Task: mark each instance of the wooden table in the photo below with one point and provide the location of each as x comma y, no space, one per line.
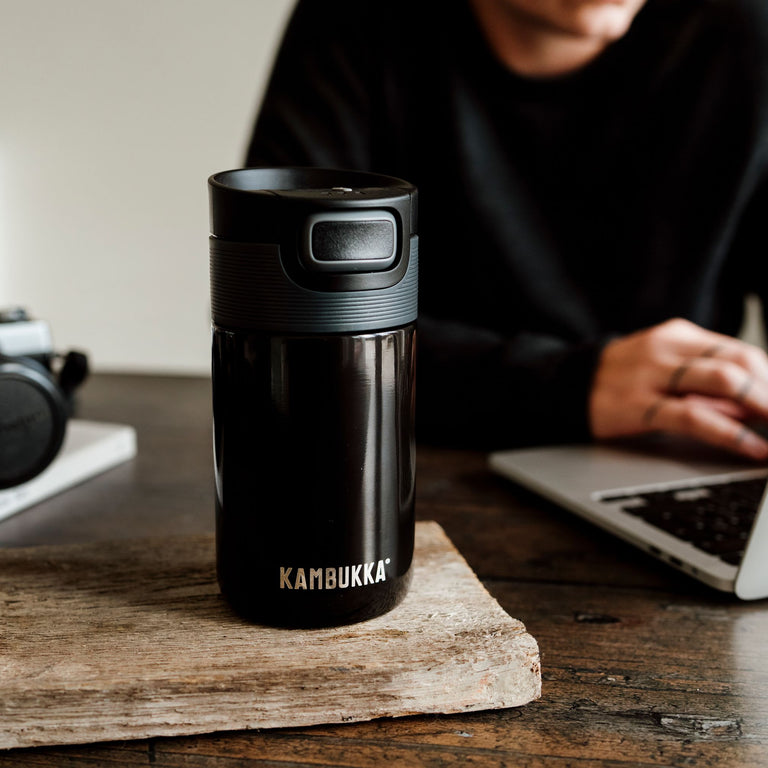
641,666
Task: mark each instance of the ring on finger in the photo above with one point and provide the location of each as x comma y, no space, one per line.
652,410
711,351
744,391
677,375
742,433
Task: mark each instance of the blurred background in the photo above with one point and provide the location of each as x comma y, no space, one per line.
113,115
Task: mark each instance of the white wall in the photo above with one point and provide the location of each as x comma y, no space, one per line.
113,113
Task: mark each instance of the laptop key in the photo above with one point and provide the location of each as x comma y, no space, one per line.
715,518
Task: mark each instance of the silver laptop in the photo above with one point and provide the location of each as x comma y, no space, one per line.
696,508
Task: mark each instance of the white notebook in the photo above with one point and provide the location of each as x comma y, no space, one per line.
89,448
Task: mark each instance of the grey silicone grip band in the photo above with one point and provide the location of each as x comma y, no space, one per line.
250,290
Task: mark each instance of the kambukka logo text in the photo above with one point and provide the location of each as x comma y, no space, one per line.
342,577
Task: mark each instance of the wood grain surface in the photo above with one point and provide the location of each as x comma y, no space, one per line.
132,639
642,667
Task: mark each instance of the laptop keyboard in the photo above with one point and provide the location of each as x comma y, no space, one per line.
716,518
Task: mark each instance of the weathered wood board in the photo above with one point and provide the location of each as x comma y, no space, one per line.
128,640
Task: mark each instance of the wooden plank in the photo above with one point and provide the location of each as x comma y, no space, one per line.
131,639
627,683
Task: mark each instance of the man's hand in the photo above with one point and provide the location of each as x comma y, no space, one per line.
678,377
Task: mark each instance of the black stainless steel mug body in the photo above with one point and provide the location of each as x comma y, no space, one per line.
313,300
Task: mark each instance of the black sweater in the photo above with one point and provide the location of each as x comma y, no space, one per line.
554,214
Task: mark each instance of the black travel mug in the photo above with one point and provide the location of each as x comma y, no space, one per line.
314,300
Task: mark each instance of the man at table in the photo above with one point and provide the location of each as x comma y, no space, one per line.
593,180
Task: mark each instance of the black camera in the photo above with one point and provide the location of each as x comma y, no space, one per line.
36,396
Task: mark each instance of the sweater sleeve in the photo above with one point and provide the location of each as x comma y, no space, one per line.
481,389
475,386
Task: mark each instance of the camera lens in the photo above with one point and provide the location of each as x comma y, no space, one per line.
32,420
